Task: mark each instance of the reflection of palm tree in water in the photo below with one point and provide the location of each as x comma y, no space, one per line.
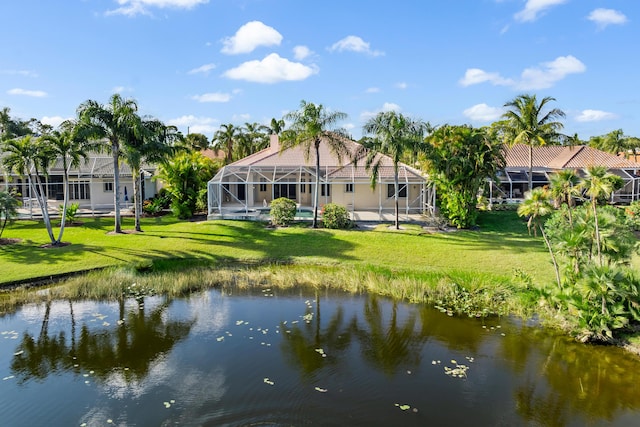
302,342
388,347
134,345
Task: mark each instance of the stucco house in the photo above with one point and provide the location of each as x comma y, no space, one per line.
244,189
91,184
513,180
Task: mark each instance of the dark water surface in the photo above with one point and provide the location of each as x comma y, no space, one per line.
270,357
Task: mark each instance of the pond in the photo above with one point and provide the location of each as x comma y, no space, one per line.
295,357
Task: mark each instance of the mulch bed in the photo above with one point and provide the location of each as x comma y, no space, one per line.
4,242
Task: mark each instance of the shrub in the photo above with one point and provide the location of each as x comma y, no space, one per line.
632,215
155,205
181,209
335,216
72,211
283,211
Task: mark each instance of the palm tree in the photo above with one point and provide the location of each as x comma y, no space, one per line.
310,125
224,139
113,123
30,158
152,142
66,145
276,127
563,186
196,141
395,136
598,183
527,123
253,138
535,206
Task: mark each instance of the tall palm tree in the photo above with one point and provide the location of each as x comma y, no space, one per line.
597,184
535,206
310,125
225,139
152,142
66,145
526,122
30,157
395,136
276,127
113,123
8,209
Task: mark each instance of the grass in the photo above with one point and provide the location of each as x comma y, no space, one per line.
499,248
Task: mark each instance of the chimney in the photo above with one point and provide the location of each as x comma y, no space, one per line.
274,143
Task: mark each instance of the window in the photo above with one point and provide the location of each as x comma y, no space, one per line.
79,191
348,188
108,187
325,190
263,185
303,186
402,191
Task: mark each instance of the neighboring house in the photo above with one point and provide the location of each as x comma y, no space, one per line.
245,188
90,184
513,181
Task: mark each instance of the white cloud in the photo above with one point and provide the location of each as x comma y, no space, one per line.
483,113
250,36
541,77
121,89
595,116
603,17
534,8
203,69
550,72
33,93
245,117
354,44
204,125
25,73
141,7
401,85
372,90
475,76
212,97
387,106
272,69
301,52
54,121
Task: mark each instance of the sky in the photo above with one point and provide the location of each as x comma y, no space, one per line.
198,64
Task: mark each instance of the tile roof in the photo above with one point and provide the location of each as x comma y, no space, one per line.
558,157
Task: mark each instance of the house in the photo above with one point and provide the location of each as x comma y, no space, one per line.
244,189
514,179
90,184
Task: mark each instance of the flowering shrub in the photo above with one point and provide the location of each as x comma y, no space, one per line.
283,211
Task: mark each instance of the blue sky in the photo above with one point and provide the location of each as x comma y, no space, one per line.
198,64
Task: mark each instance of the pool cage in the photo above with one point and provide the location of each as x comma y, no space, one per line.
246,191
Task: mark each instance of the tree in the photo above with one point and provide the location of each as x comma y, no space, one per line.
8,208
395,136
66,145
186,176
563,186
598,183
459,159
252,138
276,127
196,141
526,122
153,142
30,157
310,125
615,142
113,123
535,206
224,139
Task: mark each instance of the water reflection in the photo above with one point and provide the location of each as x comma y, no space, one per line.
335,360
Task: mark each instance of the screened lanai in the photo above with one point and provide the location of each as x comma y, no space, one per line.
513,181
244,189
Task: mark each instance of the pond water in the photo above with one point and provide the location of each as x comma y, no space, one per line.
271,357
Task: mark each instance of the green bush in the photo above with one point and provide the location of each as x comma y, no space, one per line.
283,211
181,209
335,216
632,215
72,211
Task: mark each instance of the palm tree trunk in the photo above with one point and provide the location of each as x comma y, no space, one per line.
41,196
395,196
116,186
315,205
530,167
553,257
595,219
136,195
65,203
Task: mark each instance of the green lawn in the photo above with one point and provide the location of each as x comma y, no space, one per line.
499,247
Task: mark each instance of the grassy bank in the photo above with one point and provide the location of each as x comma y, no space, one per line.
499,248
